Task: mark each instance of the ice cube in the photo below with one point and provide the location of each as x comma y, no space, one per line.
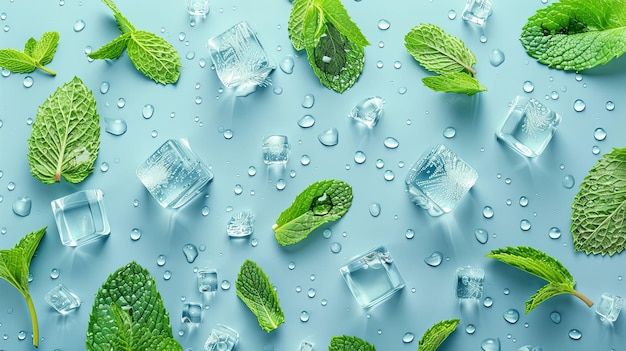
368,111
80,217
207,280
477,11
62,299
192,313
609,306
222,338
275,149
469,282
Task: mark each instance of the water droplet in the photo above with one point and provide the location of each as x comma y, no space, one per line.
167,275
305,160
554,233
54,273
483,38
22,206
389,175
579,105
449,132
238,189
451,14
511,316
11,186
335,247
488,302
251,171
135,234
408,338
104,167
568,181
161,260
154,133
555,317
488,212
374,209
359,157
308,101
383,24
281,184
524,225
481,235
225,285
397,64
79,25
490,344
21,335
287,64
311,293
190,55
3,16
147,111
306,121
228,134
304,316
104,87
575,334
329,138
380,163
115,126
391,143
554,95
409,234
496,58
610,105
291,265
528,86
599,134
121,102
470,329
28,81
595,149
523,201
434,259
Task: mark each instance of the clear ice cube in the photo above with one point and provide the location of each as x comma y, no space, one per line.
305,346
368,111
477,11
222,338
174,174
275,149
192,313
241,225
609,306
198,7
62,299
438,180
528,126
469,282
372,277
240,60
80,217
207,280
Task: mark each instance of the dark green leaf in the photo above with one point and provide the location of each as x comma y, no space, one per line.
256,291
436,335
349,343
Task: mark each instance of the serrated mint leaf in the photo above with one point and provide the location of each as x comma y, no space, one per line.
320,203
438,51
538,263
349,343
65,137
436,335
112,50
43,51
459,82
16,61
36,54
29,46
256,291
14,268
336,13
128,314
295,26
599,207
576,34
154,57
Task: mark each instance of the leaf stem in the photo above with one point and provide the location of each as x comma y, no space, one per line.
33,318
49,71
582,297
471,70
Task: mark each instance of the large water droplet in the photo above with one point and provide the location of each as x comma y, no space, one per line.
496,57
115,126
359,157
599,134
568,181
610,106
335,247
287,64
22,206
147,111
329,138
554,233
449,132
511,316
28,81
488,212
79,25
375,209
391,143
408,337
306,121
525,225
528,86
579,105
135,234
575,334
322,205
191,252
383,24
434,259
304,316
308,101
490,344
451,14
481,235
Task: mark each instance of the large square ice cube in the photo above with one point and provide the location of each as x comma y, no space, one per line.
275,149
609,306
477,11
80,217
240,60
174,174
528,127
469,282
438,180
372,277
222,338
62,299
207,280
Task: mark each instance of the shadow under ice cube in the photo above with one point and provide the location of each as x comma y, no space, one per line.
62,299
469,282
80,217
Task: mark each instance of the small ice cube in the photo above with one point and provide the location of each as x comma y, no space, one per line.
222,338
275,149
609,306
477,11
62,299
80,217
192,313
241,225
207,280
368,111
305,346
198,7
469,282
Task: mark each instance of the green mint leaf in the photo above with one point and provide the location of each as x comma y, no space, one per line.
154,57
128,314
43,51
459,82
313,26
295,26
436,335
320,203
576,34
336,13
536,262
14,267
349,343
438,51
122,23
256,291
599,207
36,54
65,137
112,50
16,61
29,46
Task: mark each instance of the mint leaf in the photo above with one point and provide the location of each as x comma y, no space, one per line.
65,137
14,267
599,207
295,26
128,314
349,343
336,13
459,82
320,203
36,54
576,34
537,263
256,291
437,334
152,55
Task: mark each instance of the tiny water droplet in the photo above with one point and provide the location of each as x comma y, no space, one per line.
22,206
79,25
291,265
308,101
568,181
306,121
528,86
104,167
374,209
481,235
449,132
359,157
104,87
121,102
238,189
579,105
434,259
555,317
225,285
595,149
575,334
380,163
21,335
408,338
391,143
305,160
115,126
599,134
28,81
483,38
190,55
523,201
610,106
488,212
496,58
389,175
329,137
383,24
490,344
511,316
54,273
251,171
524,225
488,302
470,329
335,247
161,260
409,234
281,184
304,316
287,64
135,234
147,111
11,186
228,134
451,14
554,233
254,242
167,275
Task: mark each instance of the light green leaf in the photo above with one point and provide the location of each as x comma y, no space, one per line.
336,13
122,23
459,82
538,263
320,203
154,57
14,268
599,208
16,61
43,51
349,343
436,335
65,137
438,51
36,54
256,291
128,314
314,26
29,46
112,50
576,34
295,26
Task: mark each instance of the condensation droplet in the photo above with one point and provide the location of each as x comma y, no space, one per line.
488,302
225,285
291,265
238,189
554,233
329,137
306,121
375,209
121,102
555,317
161,260
79,25
22,206
523,201
481,235
335,247
359,157
496,57
511,316
528,86
304,316
408,338
490,344
281,184
308,101
305,160
28,81
568,181
579,105
610,106
449,132
409,234
251,171
575,334
434,259
167,275
115,126
451,14
54,273
104,167
389,175
383,24
104,87
391,143
599,134
524,225
595,150
135,234
470,329
311,293
488,212
287,64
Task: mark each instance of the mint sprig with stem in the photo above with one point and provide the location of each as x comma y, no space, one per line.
36,54
538,263
255,290
14,268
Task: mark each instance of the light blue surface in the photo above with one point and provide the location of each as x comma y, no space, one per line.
200,109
